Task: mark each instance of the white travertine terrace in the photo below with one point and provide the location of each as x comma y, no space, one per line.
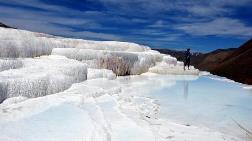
41,76
66,89
38,74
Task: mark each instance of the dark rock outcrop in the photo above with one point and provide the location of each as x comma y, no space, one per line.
4,25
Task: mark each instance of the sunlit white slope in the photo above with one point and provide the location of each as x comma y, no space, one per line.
121,63
122,58
21,43
104,45
99,110
46,75
41,76
6,64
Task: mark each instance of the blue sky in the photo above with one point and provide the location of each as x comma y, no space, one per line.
177,24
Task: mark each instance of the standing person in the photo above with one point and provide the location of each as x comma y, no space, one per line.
187,59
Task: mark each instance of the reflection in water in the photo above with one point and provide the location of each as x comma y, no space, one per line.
212,103
186,87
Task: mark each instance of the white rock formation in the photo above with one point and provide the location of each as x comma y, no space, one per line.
100,73
47,75
122,58
6,64
121,63
41,76
20,43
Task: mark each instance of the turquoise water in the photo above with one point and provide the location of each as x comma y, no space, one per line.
189,100
206,102
63,122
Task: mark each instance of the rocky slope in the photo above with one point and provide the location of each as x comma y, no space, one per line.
237,65
213,59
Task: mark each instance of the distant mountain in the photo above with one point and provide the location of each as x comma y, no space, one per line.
237,65
196,57
4,25
233,63
213,59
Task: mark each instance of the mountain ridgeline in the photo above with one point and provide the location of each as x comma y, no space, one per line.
233,63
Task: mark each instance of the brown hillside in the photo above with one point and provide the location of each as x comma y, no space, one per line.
214,59
238,65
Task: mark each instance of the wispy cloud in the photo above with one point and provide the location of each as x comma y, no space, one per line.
47,22
95,35
153,22
157,24
220,26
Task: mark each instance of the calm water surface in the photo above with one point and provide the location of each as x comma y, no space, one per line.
207,102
